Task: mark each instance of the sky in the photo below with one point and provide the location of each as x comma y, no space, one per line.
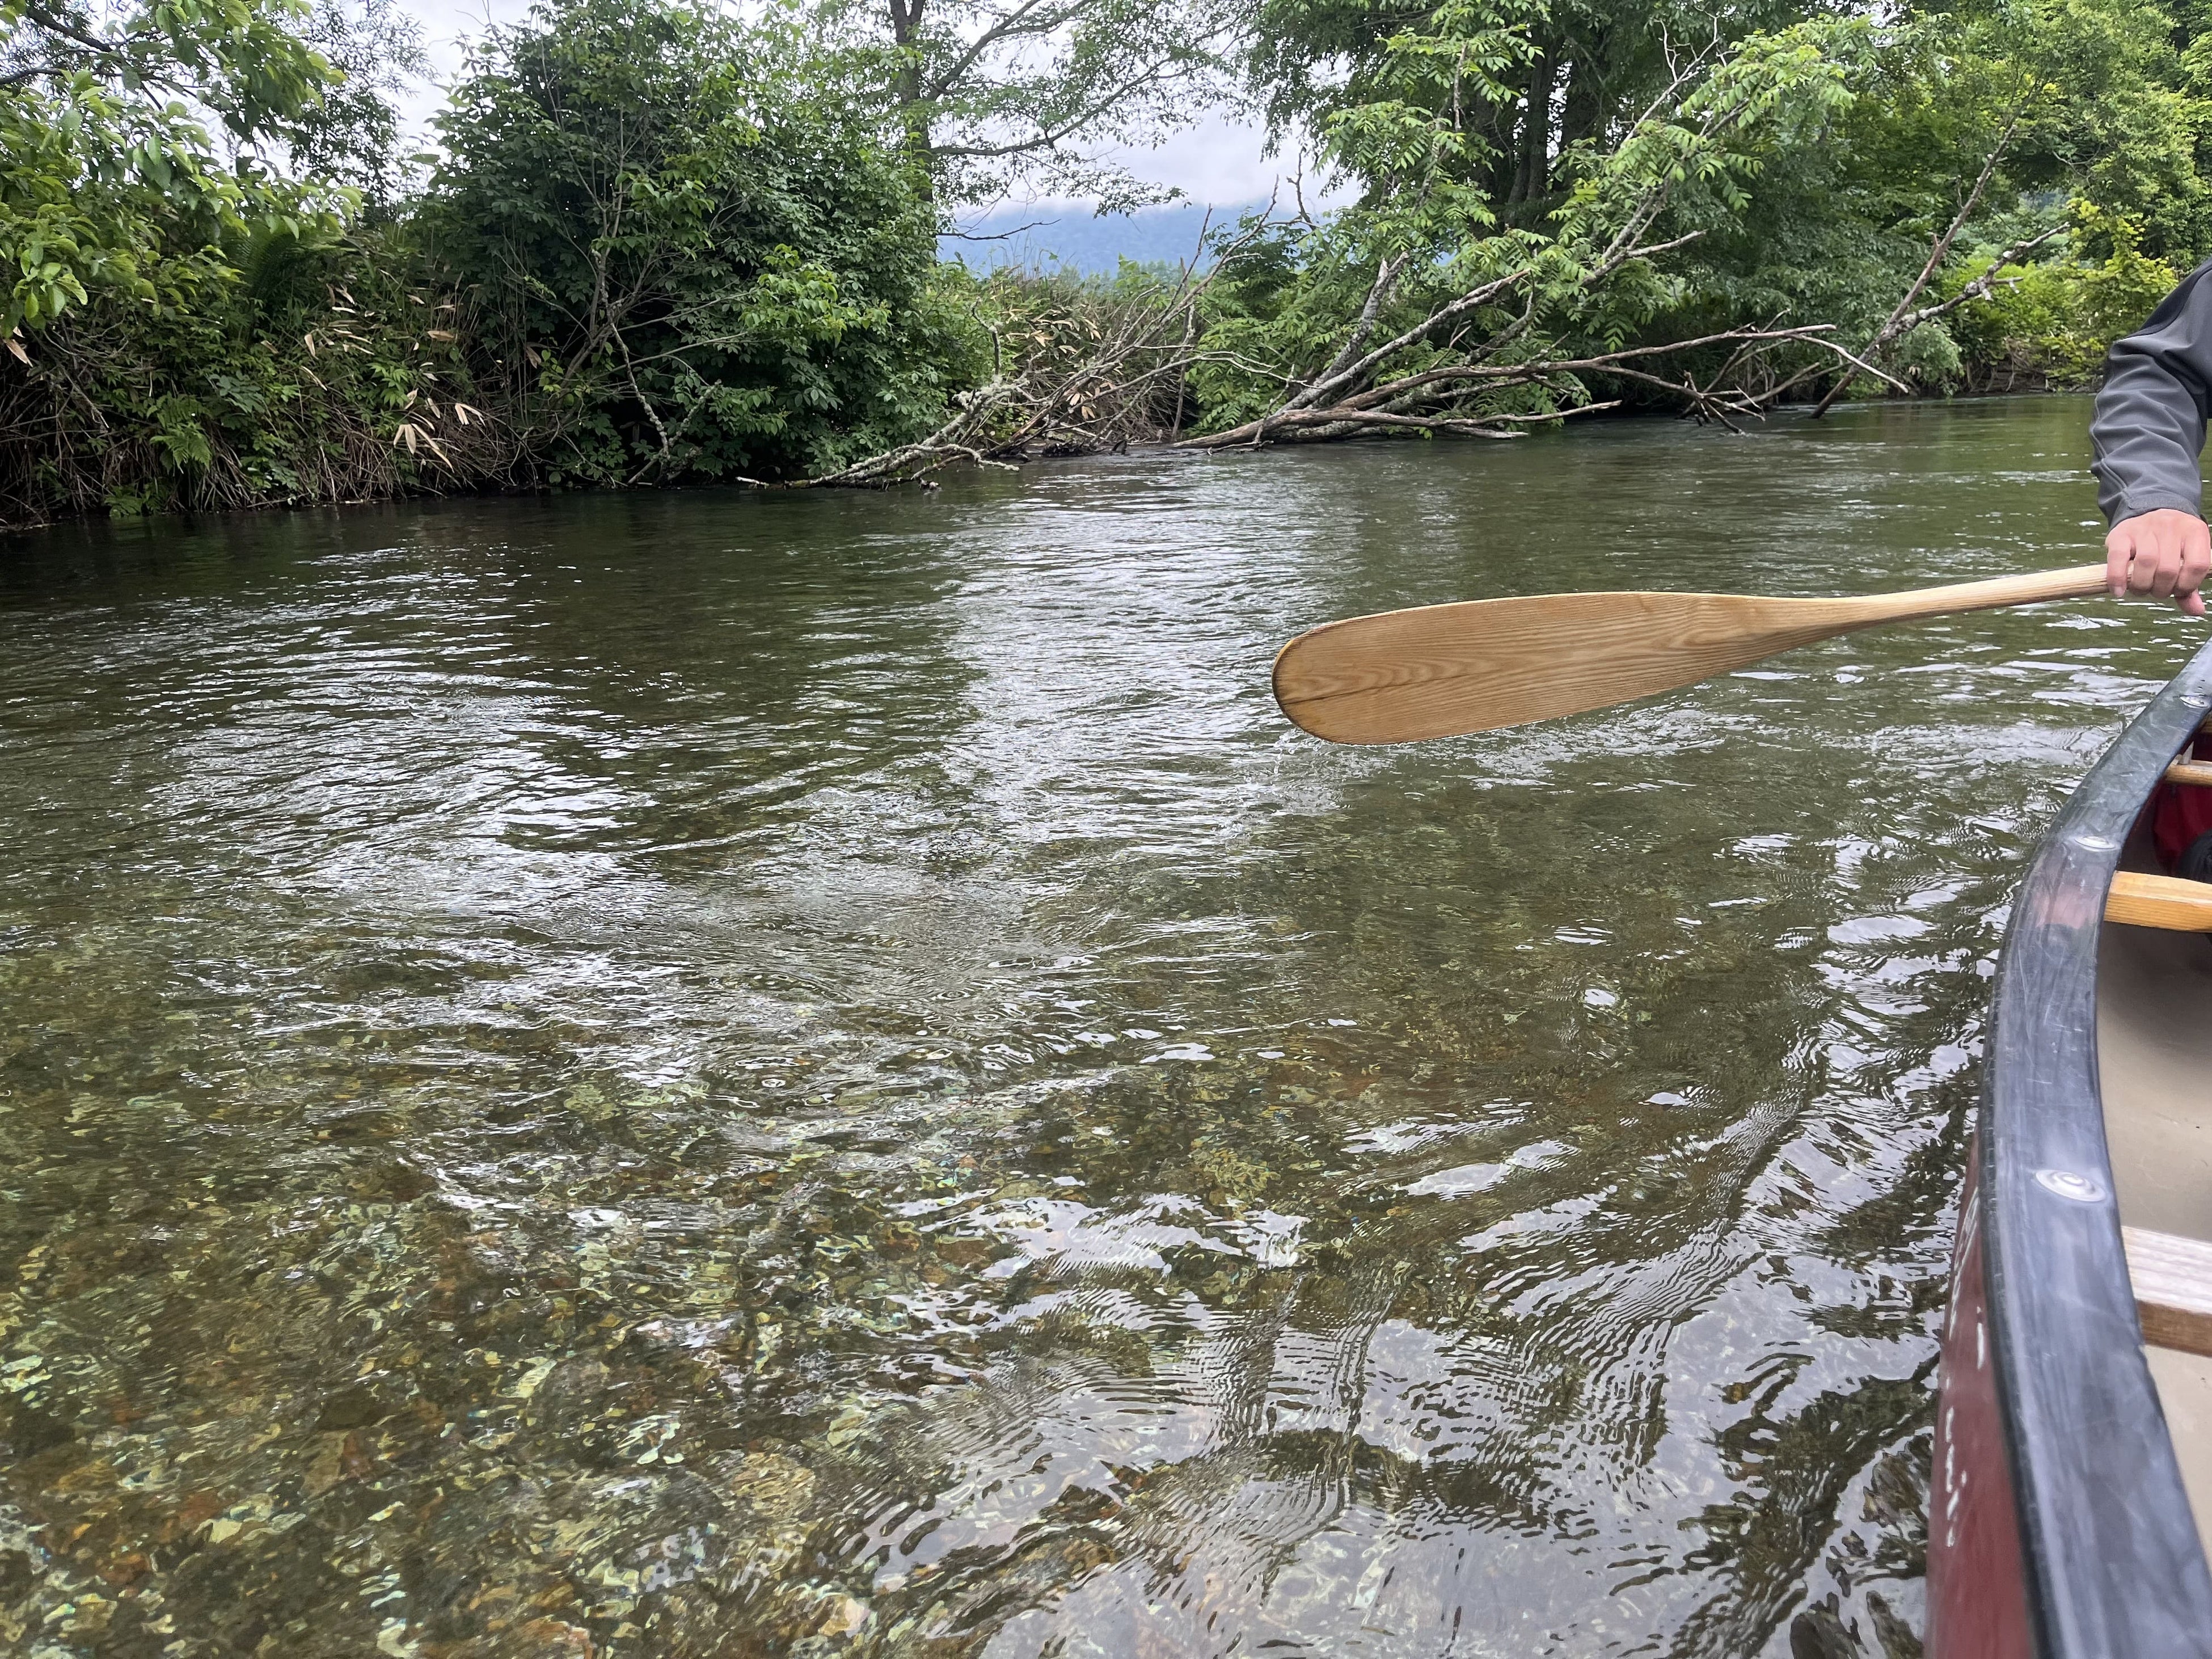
1218,161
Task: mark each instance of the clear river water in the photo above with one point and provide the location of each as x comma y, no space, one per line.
699,1074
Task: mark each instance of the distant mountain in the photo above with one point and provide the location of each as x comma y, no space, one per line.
1069,237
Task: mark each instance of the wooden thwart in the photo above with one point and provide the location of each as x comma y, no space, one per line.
2191,771
2137,900
2173,1280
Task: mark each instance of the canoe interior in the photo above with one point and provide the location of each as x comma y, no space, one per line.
2155,1068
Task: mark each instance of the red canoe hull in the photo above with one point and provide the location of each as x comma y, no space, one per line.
1977,1581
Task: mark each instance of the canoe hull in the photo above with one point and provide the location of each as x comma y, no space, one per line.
2059,1525
1978,1605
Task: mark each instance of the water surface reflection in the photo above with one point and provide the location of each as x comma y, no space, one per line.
706,1075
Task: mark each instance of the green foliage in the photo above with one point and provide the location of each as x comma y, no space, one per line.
669,242
110,181
1524,84
160,266
1462,123
660,247
313,372
2054,321
692,264
1428,231
2080,101
351,137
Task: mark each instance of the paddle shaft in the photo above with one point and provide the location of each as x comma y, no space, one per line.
2082,581
1439,670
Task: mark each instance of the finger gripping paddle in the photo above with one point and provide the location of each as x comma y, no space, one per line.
1438,671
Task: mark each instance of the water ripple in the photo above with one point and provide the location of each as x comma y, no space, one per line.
692,1075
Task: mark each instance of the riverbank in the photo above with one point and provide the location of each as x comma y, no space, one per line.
417,485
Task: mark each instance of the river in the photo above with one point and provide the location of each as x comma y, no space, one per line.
703,1074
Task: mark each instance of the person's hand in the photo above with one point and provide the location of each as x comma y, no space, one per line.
2165,553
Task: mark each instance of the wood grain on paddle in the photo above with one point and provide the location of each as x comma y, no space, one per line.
1441,670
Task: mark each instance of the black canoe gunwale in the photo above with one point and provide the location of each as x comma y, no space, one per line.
2111,1557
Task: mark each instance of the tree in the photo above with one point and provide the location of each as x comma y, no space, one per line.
110,179
1985,145
1577,72
196,312
689,256
1423,308
351,136
992,96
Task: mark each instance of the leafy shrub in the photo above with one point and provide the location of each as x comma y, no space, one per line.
690,264
2054,321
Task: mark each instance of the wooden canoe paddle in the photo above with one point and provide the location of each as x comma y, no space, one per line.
1438,671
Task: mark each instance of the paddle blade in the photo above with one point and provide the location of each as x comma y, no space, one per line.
1441,670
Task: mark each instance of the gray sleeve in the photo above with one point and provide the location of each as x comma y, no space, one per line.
2148,428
